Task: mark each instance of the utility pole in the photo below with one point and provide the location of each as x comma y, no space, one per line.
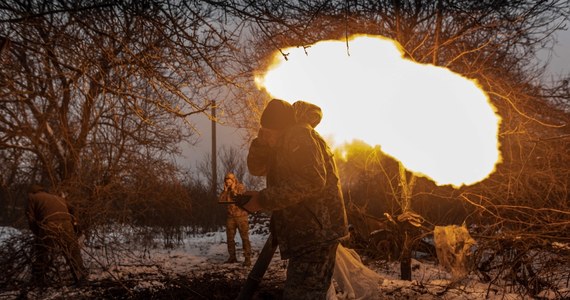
214,154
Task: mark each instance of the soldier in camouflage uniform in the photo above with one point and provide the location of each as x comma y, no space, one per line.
304,195
236,219
50,220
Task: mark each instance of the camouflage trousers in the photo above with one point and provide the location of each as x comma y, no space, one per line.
240,224
309,275
57,238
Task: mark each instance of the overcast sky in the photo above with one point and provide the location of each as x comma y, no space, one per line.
229,136
226,136
560,61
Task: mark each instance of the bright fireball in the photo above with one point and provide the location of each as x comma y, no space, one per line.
437,123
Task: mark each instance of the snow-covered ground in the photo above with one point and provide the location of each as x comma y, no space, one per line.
195,269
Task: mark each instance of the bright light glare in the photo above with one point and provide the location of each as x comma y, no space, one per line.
437,123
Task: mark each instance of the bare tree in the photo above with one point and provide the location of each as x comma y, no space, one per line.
92,90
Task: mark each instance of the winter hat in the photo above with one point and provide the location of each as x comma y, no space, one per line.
306,112
278,115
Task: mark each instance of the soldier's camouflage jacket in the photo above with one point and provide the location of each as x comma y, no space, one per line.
44,208
303,187
232,209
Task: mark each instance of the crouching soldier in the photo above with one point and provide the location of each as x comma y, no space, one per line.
50,220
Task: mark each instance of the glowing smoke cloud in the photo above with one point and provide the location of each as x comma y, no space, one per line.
435,122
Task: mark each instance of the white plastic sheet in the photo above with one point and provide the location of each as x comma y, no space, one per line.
354,279
453,244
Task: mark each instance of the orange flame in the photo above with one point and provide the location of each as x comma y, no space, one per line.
437,123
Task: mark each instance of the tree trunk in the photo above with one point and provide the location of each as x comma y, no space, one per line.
406,255
406,239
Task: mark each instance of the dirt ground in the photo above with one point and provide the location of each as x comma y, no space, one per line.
209,286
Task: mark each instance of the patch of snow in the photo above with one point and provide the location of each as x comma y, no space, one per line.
149,266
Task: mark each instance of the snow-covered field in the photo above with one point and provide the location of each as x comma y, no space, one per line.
195,269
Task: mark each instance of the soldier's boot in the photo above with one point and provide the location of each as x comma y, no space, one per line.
232,252
247,261
247,252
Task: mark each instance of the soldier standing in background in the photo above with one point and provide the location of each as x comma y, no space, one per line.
237,218
51,222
